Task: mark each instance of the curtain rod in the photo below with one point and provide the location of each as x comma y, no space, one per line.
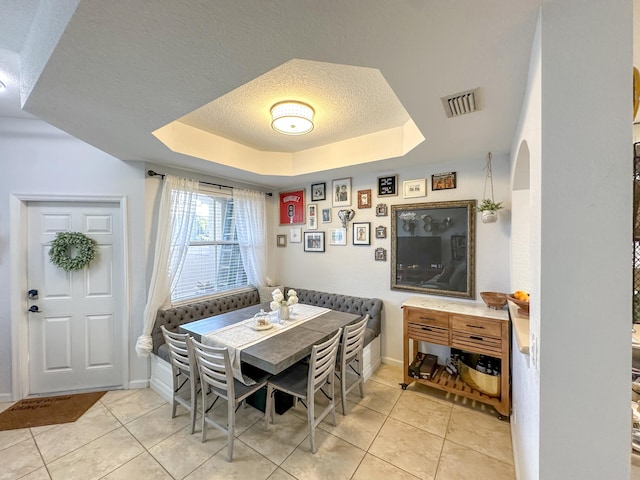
151,173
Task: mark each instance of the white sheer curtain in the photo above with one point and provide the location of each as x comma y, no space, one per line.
251,226
175,218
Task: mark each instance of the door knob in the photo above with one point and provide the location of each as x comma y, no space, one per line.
33,294
34,309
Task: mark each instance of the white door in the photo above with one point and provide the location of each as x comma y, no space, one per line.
75,340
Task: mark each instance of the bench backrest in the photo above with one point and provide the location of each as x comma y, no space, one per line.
172,318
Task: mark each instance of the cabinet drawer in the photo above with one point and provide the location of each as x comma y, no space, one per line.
428,333
428,317
477,343
481,326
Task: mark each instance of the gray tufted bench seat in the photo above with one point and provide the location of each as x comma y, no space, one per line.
346,303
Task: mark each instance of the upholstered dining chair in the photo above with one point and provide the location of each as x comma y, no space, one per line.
350,360
216,378
184,372
303,380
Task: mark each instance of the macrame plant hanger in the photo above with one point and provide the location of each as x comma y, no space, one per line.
488,215
488,176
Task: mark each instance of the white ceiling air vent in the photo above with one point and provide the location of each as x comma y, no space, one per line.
461,103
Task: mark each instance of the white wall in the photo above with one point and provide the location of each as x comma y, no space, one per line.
352,269
572,398
39,159
525,268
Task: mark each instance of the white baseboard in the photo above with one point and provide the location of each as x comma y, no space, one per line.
138,384
393,361
6,397
162,383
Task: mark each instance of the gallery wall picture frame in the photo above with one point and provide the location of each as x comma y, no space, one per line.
318,191
337,236
361,233
382,210
312,216
380,254
381,232
313,241
364,198
341,192
292,207
281,240
295,235
388,186
414,188
326,215
443,181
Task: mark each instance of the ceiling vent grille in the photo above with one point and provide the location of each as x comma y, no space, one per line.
461,103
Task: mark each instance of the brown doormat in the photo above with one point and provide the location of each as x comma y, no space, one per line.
37,412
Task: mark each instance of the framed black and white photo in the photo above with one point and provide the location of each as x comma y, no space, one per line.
337,236
381,232
361,233
380,255
326,215
318,191
388,186
314,241
281,241
312,216
341,189
414,188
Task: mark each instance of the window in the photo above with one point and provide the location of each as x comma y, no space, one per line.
213,263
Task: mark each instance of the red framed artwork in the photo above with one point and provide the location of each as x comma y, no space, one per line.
292,207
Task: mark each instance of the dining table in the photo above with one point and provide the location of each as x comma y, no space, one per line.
278,352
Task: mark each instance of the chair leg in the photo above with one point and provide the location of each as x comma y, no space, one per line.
267,406
332,390
312,423
204,415
231,424
194,405
361,375
343,392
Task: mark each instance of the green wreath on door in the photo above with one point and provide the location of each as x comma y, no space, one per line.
60,253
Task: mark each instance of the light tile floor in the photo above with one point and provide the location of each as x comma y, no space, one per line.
389,434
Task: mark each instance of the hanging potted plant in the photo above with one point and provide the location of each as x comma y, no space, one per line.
489,210
488,207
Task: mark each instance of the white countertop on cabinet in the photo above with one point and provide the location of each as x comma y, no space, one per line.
456,306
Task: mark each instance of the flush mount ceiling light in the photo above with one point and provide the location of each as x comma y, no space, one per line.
292,118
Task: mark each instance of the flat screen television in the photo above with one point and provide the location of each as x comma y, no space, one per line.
424,251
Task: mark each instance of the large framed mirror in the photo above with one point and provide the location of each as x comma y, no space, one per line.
433,248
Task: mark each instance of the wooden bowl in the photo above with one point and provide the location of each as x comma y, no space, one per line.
523,307
494,300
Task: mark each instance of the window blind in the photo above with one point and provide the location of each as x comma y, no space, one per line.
213,263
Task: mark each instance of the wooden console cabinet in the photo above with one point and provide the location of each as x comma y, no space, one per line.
470,327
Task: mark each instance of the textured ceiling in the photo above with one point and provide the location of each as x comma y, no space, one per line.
121,69
348,102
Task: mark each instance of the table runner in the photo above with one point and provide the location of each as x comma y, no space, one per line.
241,335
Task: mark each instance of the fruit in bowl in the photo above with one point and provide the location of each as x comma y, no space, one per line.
521,299
521,295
